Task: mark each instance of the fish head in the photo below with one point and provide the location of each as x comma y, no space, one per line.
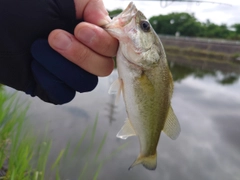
138,41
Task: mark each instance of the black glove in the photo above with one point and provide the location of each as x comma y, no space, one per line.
57,77
41,72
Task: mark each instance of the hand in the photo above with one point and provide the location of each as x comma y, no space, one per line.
58,77
91,47
29,64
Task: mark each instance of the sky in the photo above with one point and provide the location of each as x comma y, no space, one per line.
216,13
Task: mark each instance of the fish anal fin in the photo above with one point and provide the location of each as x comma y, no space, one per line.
116,88
149,162
126,131
172,127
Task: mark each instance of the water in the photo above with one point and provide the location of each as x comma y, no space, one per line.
206,102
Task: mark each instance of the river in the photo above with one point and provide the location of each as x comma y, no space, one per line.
206,102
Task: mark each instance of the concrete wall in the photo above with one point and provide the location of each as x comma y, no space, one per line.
202,43
223,66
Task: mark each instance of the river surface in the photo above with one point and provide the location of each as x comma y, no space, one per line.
206,102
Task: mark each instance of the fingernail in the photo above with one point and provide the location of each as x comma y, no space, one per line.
86,36
104,21
61,41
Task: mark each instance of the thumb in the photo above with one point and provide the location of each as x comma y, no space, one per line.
94,12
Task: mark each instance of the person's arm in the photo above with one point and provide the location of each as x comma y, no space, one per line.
29,64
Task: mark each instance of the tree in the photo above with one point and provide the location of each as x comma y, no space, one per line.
236,34
187,25
237,28
184,23
215,31
114,12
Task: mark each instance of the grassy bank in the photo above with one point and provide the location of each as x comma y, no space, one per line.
17,144
194,52
24,157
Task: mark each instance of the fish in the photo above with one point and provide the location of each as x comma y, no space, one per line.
145,82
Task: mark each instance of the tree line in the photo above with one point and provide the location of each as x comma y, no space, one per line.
186,24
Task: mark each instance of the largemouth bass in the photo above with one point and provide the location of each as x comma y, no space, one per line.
145,82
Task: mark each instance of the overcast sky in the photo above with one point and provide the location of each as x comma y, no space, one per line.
217,13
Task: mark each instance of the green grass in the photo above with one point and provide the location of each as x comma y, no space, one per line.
16,146
191,51
27,158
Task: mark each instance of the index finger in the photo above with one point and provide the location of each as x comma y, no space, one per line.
92,11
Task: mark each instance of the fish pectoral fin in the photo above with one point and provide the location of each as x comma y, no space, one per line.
126,131
172,127
116,88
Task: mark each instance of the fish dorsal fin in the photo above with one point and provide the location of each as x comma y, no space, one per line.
172,127
116,88
126,131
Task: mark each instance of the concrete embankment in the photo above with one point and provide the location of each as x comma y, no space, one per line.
205,64
201,53
223,46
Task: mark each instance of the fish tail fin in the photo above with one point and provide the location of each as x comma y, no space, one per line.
149,162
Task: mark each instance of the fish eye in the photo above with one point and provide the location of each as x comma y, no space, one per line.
145,26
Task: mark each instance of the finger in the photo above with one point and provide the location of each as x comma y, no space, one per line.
96,39
73,50
92,11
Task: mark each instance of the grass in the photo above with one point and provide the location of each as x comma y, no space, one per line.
190,51
16,146
27,160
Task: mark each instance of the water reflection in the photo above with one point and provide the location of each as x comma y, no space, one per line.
111,105
224,73
111,108
206,103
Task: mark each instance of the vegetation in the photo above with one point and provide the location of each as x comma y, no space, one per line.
23,157
187,25
114,12
15,148
190,51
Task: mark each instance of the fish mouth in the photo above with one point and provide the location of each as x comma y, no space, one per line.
123,18
129,12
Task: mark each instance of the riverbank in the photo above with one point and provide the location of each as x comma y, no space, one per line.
208,64
202,47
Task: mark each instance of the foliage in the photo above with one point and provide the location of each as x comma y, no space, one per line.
183,23
191,51
187,25
237,28
236,35
16,144
22,157
114,12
